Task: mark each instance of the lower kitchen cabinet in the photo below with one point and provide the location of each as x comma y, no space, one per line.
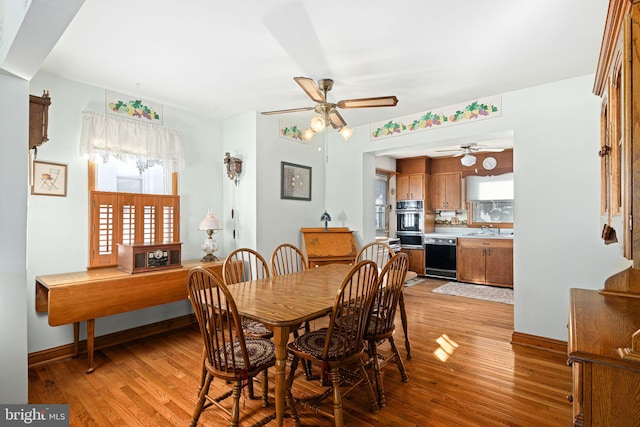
416,260
486,261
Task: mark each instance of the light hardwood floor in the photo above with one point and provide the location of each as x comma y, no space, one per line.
464,372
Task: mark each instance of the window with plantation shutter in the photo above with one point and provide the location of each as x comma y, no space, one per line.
130,218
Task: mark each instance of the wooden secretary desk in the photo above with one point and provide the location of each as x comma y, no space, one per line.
328,245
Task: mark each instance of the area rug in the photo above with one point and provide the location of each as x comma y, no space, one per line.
413,282
488,293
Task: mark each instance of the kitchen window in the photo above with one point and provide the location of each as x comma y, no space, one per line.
381,204
490,200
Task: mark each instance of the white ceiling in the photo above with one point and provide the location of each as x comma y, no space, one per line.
221,59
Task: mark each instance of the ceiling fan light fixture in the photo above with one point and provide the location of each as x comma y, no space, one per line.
317,124
468,160
307,134
346,132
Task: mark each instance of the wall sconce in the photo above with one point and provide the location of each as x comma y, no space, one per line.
234,167
210,224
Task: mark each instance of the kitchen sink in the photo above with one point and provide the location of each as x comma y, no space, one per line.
490,235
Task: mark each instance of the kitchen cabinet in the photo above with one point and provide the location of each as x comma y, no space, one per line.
605,383
410,186
416,260
486,261
446,191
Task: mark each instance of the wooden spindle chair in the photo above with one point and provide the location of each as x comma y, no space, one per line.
229,355
380,326
378,252
341,344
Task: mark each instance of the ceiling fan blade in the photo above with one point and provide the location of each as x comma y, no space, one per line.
459,154
489,150
311,88
380,101
336,119
290,110
444,151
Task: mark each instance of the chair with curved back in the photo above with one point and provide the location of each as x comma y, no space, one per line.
381,253
242,265
381,325
378,252
340,345
229,355
287,258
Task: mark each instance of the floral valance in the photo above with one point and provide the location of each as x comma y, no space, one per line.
104,135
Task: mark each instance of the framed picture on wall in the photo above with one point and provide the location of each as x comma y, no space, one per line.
49,179
295,182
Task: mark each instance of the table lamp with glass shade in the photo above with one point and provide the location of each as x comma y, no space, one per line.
210,224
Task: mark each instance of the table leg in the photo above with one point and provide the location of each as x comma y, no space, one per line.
405,327
76,338
91,329
280,339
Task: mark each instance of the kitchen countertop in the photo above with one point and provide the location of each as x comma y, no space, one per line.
470,234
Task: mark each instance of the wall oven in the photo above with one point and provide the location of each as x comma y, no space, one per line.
409,223
410,216
441,257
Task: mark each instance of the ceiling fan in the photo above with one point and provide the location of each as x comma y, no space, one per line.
467,151
327,111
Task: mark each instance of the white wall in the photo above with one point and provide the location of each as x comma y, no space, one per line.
280,220
557,193
14,130
58,226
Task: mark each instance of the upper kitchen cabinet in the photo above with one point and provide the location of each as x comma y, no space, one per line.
410,187
38,119
446,191
412,178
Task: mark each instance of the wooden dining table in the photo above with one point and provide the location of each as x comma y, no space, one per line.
282,303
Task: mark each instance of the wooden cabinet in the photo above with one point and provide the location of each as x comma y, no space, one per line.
486,261
38,119
617,81
446,191
605,385
327,246
410,187
416,260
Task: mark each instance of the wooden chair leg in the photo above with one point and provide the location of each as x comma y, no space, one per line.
372,396
337,399
373,358
235,409
399,361
289,393
202,397
265,388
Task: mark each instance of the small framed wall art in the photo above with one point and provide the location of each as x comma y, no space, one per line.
295,182
49,179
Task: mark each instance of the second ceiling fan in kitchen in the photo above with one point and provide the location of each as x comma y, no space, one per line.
327,113
467,151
